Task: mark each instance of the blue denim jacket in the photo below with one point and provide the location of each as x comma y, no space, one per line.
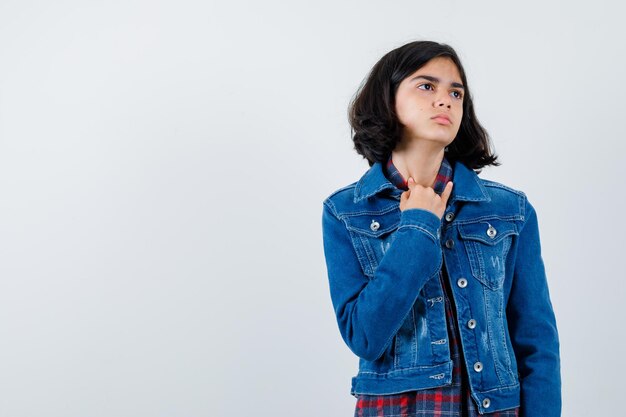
383,268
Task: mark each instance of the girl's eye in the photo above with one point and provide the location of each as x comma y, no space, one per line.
430,87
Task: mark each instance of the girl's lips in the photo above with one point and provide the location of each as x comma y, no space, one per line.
442,120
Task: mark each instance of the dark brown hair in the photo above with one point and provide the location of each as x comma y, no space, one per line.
375,126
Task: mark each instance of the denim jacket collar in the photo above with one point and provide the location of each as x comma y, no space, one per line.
467,184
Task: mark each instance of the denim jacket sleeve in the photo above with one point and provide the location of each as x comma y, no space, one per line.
370,311
532,326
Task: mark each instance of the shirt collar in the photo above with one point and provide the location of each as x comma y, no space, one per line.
467,184
395,177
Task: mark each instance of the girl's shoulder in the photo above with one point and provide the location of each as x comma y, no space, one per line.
345,191
346,201
499,192
495,185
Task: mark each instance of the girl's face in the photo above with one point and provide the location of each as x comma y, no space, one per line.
429,102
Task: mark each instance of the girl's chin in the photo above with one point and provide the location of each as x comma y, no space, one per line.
442,137
435,141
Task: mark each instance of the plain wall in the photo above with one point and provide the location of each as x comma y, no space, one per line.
162,171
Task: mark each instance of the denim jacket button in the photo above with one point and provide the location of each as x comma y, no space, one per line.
471,324
486,402
491,231
449,243
478,366
449,216
375,225
462,282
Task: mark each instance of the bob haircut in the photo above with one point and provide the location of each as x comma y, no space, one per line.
374,123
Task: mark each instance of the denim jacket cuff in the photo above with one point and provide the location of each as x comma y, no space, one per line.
421,219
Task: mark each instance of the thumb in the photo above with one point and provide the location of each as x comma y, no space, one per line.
446,192
404,196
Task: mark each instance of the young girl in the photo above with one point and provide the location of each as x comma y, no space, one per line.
435,274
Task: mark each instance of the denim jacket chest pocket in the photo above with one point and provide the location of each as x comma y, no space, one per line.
487,243
372,234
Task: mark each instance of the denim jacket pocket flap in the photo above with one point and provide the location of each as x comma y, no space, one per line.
375,224
490,232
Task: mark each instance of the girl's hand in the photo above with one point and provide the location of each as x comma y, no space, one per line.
418,196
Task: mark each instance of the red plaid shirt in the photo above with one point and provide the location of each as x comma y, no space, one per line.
448,401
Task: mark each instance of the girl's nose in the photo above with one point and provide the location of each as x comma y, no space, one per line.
442,99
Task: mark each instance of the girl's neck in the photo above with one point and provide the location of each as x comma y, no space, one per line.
420,162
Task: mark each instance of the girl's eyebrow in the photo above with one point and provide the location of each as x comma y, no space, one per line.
436,80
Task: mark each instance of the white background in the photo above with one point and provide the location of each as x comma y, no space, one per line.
162,171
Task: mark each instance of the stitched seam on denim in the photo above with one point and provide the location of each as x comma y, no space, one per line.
494,184
467,234
337,191
404,370
491,243
371,258
371,193
385,210
328,202
480,219
482,275
506,245
414,347
395,352
464,198
507,361
412,226
522,206
375,235
500,388
425,225
503,336
481,187
419,223
500,296
474,267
